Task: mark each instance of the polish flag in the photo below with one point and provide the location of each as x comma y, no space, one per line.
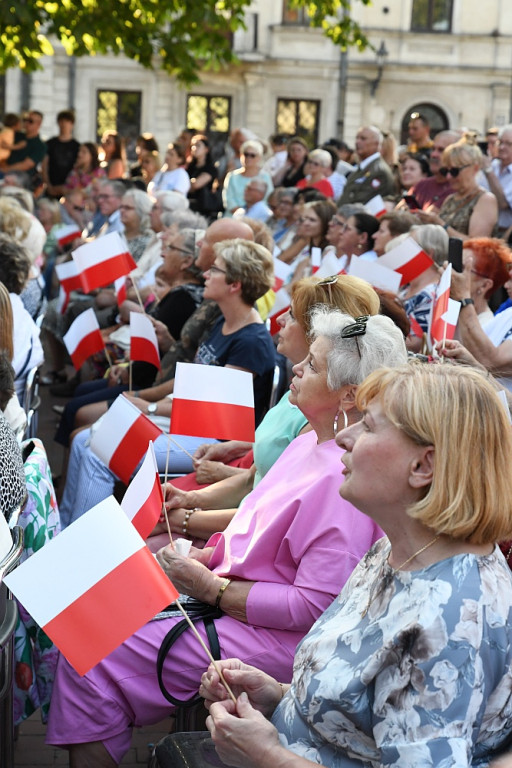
416,328
122,438
143,500
211,401
67,234
438,326
143,341
375,206
331,265
316,259
408,259
105,585
451,317
282,271
102,261
374,273
69,279
83,338
120,289
281,305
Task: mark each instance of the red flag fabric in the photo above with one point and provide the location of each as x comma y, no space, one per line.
105,585
102,261
376,206
122,438
416,328
210,401
67,234
144,497
120,289
143,341
281,305
69,279
84,338
408,259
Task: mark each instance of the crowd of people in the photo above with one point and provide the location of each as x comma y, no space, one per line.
358,553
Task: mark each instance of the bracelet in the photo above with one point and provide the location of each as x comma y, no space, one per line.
225,584
188,515
466,302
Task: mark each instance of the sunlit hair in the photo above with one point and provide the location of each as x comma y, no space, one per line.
6,323
180,151
462,153
52,206
491,258
248,263
350,295
456,410
14,220
143,205
351,360
321,156
261,232
253,146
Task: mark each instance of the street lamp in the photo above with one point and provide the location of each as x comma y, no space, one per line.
380,59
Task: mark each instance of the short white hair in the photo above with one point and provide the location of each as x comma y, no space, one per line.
351,360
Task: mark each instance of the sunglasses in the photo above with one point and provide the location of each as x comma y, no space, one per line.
250,154
454,172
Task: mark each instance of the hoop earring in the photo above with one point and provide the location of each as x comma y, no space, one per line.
345,420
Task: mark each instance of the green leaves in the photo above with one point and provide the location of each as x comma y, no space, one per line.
180,36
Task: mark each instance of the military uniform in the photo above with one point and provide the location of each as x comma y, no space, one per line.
364,183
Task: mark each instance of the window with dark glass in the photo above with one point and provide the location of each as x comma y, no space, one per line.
298,117
292,15
210,115
119,111
432,15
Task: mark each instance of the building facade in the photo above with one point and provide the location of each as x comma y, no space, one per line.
449,58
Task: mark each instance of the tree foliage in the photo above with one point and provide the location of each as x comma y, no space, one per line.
181,36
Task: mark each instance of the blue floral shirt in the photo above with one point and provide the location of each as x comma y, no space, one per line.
406,668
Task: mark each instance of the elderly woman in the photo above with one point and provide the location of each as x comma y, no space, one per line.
272,570
135,212
411,664
281,424
241,273
471,211
491,261
236,181
317,167
172,175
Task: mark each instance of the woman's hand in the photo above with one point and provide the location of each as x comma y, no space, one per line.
460,286
243,738
429,217
118,374
454,350
163,337
210,471
189,576
263,691
174,497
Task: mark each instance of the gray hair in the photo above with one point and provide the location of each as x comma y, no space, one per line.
351,360
143,205
170,200
190,238
184,220
118,187
321,156
433,239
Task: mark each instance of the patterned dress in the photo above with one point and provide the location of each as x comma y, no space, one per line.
406,668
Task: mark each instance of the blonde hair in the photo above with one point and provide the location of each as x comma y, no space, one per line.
6,323
350,295
462,153
14,220
457,411
248,263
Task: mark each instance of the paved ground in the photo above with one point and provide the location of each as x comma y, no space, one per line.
30,749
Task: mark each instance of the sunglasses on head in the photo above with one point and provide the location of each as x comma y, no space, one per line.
453,172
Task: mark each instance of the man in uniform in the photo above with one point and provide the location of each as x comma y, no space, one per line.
372,176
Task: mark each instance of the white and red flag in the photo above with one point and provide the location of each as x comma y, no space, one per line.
122,438
316,259
211,401
416,328
281,305
143,341
439,325
105,585
408,259
69,278
282,272
144,498
120,289
374,273
451,317
83,338
102,261
376,206
67,233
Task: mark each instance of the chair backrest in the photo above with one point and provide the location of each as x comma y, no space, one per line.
31,401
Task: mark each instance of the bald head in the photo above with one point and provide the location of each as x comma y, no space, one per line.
222,229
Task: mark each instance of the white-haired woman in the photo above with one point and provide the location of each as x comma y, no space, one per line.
135,215
412,663
317,167
290,542
235,182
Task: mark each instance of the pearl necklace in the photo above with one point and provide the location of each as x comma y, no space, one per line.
371,596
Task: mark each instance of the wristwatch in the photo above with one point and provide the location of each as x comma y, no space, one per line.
466,302
152,407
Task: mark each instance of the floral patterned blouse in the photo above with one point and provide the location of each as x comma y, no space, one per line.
406,668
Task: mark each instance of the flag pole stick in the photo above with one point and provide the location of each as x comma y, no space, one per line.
130,376
208,652
134,283
181,448
444,340
109,359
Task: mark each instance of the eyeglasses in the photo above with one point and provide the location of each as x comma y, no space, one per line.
335,222
127,207
214,269
78,208
249,154
479,274
104,197
166,247
355,329
313,162
505,143
454,172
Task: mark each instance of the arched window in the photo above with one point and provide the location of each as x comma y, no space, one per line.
434,114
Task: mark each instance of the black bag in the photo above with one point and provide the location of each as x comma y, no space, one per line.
197,611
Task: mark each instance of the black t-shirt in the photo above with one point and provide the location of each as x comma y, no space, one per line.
61,158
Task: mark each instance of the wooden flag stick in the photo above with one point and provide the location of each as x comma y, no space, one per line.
109,359
134,283
181,448
207,650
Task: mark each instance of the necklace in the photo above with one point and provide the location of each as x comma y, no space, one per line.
372,596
